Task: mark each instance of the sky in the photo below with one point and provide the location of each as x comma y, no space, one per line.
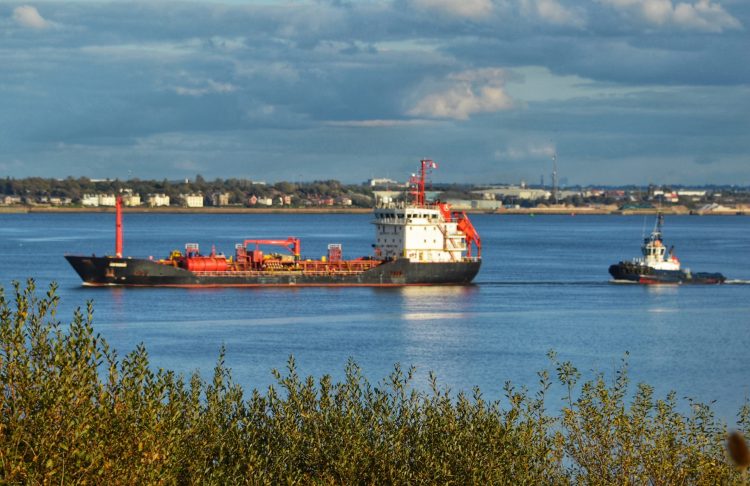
622,91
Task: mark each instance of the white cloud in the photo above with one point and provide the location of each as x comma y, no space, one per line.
703,15
528,151
277,71
28,16
187,165
474,9
551,11
378,123
210,88
14,164
464,94
228,43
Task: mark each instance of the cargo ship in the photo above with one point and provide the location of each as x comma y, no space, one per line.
416,243
659,266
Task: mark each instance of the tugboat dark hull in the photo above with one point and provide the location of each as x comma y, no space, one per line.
136,272
630,272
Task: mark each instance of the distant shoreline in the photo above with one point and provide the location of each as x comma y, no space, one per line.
560,211
181,210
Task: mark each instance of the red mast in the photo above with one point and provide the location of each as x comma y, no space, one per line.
418,182
118,227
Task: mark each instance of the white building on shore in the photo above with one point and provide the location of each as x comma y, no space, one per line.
108,200
383,182
192,200
157,200
90,200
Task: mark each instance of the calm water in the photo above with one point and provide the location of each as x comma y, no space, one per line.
543,285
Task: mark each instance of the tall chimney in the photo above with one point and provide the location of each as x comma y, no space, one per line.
118,227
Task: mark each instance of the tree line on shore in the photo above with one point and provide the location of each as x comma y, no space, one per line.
70,191
72,411
37,189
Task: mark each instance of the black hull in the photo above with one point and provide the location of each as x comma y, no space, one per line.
630,272
135,272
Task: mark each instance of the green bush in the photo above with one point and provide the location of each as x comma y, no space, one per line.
71,412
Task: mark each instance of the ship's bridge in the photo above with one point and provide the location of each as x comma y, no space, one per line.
420,233
655,254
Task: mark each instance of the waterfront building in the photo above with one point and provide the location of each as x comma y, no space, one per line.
107,200
382,182
90,200
192,200
8,200
131,200
157,200
220,199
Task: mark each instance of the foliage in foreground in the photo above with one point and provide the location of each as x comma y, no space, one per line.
72,412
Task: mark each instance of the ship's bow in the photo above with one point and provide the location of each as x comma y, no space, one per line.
92,270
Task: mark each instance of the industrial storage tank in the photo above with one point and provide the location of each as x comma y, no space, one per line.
206,264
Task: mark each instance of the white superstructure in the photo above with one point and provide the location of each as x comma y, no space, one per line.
421,231
417,233
654,252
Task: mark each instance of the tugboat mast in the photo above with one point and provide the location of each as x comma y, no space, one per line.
656,232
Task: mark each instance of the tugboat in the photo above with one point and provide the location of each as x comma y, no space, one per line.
659,266
417,243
